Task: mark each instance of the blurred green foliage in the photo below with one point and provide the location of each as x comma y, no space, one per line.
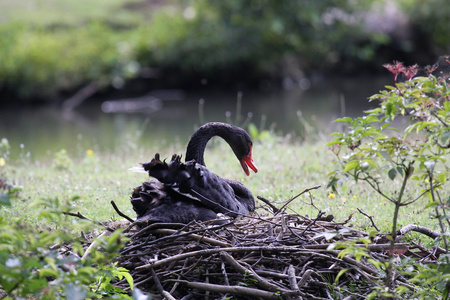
52,264
53,47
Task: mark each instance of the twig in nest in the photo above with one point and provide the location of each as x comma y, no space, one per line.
319,215
163,292
370,218
224,272
233,289
413,227
348,219
210,251
295,197
120,213
372,271
305,277
292,281
311,202
181,232
79,215
174,234
275,210
261,282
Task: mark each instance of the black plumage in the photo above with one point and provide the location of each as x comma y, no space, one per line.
182,192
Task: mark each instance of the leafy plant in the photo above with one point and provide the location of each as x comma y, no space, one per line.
403,167
50,264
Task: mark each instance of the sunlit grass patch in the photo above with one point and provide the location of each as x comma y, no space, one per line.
286,168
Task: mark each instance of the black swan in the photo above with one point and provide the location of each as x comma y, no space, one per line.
183,192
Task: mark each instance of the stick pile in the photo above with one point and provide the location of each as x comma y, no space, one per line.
282,256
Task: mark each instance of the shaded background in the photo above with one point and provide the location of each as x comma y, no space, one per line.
79,71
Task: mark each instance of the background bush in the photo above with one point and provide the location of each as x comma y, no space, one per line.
55,48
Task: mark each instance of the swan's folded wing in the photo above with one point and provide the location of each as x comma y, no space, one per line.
196,182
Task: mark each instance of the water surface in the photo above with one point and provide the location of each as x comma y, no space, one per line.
40,132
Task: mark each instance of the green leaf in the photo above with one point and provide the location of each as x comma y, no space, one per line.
392,173
48,272
334,142
353,164
442,178
341,272
373,233
36,284
129,279
423,125
374,262
344,120
430,204
400,171
447,105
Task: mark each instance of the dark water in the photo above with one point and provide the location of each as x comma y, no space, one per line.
39,132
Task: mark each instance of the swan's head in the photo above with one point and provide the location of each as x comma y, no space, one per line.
242,146
247,161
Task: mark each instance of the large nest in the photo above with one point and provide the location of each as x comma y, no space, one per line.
257,257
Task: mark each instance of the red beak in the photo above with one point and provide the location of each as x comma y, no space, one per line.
248,161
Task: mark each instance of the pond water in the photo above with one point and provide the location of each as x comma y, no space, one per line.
39,132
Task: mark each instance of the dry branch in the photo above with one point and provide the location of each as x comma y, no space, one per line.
235,290
119,212
81,216
421,229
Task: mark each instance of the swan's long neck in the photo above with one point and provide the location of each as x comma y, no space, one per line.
197,143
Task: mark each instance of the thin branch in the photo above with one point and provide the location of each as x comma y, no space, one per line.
320,214
440,120
295,197
376,187
273,207
79,215
224,272
292,281
421,229
217,250
305,278
173,233
358,264
261,282
161,290
370,218
120,213
232,289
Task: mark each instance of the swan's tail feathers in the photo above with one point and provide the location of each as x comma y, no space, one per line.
137,169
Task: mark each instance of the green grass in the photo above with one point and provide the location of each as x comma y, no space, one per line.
286,168
69,13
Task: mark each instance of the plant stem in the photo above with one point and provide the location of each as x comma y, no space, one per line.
398,203
438,214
